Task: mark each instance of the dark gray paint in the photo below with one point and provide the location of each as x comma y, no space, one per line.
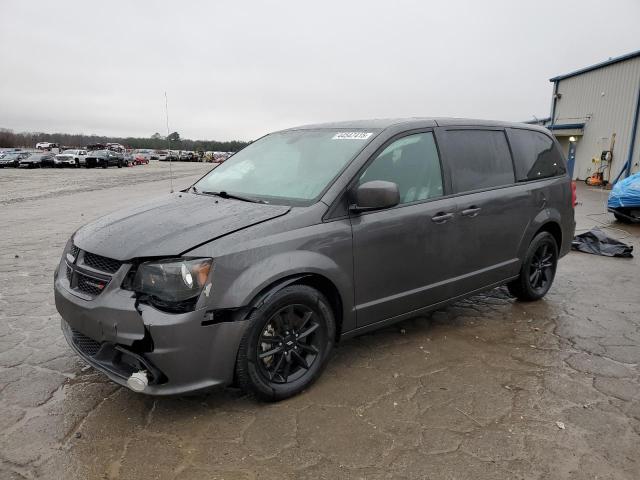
386,265
170,225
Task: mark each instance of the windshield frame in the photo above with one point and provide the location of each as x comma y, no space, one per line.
298,202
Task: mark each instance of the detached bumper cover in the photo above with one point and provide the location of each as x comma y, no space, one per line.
183,355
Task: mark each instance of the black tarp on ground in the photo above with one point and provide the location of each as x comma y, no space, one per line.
596,242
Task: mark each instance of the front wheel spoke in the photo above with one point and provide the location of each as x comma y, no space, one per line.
308,348
269,353
277,366
547,259
301,361
308,331
287,369
305,319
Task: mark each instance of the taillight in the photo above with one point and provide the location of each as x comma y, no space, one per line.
574,196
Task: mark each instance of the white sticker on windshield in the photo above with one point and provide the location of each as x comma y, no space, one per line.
352,136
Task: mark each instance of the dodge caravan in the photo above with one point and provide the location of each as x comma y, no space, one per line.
308,236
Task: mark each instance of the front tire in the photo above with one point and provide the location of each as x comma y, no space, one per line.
538,269
287,344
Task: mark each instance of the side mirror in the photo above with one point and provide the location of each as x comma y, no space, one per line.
375,195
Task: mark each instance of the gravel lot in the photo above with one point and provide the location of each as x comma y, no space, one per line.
486,389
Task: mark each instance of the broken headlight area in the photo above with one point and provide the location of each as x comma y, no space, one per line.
172,285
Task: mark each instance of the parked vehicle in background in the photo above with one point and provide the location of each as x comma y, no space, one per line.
188,156
140,159
128,159
308,236
48,147
104,159
71,158
12,158
49,161
162,154
142,156
116,147
36,160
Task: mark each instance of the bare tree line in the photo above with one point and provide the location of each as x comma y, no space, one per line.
9,138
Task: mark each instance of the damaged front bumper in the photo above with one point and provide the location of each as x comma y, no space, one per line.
180,353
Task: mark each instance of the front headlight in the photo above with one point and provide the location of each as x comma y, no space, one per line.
173,280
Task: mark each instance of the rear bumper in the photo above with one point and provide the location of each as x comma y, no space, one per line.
179,353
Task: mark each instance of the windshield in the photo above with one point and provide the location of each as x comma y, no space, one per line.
70,152
295,165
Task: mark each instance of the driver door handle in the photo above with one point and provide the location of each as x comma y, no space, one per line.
472,211
442,217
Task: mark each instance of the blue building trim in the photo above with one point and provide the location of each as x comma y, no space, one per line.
606,63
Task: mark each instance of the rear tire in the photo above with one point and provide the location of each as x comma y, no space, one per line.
297,326
538,269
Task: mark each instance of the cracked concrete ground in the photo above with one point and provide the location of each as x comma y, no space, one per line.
474,391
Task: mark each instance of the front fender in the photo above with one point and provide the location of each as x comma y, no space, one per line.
244,288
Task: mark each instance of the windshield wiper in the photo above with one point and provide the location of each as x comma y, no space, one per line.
224,194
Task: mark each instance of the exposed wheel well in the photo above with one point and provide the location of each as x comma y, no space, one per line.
329,290
320,283
554,229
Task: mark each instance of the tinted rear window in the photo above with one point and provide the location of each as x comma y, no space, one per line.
536,155
478,159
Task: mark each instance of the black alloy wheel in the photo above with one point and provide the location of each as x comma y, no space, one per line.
541,268
287,343
538,269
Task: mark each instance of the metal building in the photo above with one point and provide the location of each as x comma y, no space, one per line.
595,109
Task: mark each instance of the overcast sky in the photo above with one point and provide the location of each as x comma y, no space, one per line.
238,69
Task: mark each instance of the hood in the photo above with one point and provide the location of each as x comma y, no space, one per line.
170,225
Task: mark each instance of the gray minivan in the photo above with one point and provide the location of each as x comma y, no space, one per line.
308,236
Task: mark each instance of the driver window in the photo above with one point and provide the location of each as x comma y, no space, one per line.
412,163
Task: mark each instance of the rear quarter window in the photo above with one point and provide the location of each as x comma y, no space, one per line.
478,159
535,155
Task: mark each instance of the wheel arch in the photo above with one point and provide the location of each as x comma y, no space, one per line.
311,279
554,229
548,220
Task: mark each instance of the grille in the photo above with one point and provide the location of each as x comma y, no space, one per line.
101,263
89,285
86,345
69,273
74,251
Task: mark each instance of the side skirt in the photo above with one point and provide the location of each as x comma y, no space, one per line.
419,311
